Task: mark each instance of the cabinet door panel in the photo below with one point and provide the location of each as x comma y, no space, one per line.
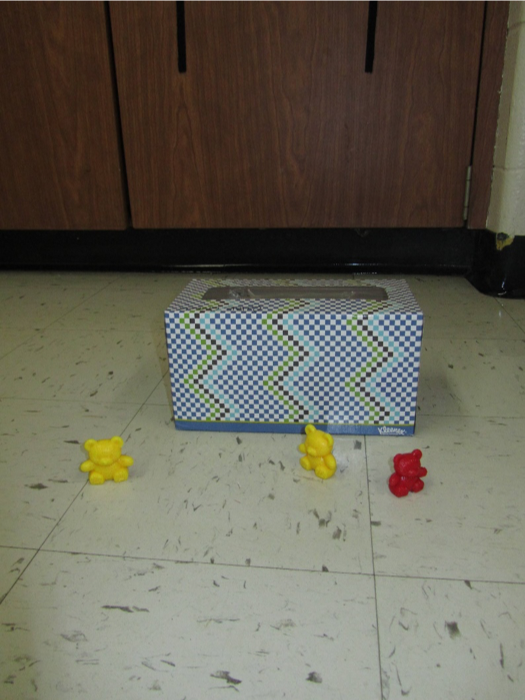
59,156
276,124
422,111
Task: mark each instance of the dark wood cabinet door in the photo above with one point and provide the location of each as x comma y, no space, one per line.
59,154
275,122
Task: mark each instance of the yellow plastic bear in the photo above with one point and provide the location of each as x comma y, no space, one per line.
318,449
105,461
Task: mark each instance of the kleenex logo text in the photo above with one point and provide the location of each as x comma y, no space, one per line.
392,431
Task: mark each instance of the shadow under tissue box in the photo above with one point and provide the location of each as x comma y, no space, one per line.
275,355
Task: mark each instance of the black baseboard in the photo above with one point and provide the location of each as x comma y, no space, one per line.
391,250
410,251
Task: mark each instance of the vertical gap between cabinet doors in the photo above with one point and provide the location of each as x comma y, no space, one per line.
181,36
371,37
116,101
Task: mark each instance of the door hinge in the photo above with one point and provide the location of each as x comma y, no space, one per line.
467,193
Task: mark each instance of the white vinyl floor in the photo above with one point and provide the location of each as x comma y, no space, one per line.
222,569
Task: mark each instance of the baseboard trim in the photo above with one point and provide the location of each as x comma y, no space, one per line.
432,251
494,264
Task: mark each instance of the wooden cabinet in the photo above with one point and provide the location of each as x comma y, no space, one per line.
59,146
275,122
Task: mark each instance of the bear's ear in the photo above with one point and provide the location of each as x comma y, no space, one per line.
89,444
329,439
417,454
117,441
310,429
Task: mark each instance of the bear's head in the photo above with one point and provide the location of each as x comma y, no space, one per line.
104,453
408,464
318,444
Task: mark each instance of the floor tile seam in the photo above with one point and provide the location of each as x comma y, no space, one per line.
87,328
188,562
473,311
26,567
161,381
77,400
450,579
478,338
135,415
374,578
35,278
511,317
469,338
27,340
59,519
487,416
71,309
510,305
91,329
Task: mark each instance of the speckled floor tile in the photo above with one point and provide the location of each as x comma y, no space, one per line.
453,308
469,521
225,498
40,458
124,307
483,319
27,308
444,640
78,626
492,323
472,377
169,282
106,366
42,280
12,564
249,574
12,339
438,293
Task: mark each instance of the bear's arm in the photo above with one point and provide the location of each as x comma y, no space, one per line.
87,466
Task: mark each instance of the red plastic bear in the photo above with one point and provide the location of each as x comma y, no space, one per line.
408,473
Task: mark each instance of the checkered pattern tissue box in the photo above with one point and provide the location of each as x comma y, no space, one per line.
275,355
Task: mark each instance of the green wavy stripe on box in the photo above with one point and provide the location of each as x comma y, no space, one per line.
205,366
374,364
352,385
273,382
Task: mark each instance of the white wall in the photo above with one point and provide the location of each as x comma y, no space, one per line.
507,201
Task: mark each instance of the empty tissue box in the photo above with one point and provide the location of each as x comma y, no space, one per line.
275,355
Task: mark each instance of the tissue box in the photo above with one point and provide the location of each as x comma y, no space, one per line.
275,355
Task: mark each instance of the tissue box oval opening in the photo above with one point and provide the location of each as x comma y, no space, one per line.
274,355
